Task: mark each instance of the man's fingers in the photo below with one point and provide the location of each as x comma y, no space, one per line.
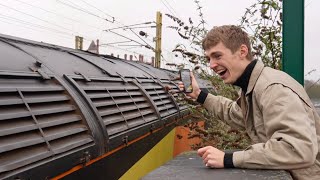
191,74
192,77
201,151
208,164
167,88
205,155
176,78
181,86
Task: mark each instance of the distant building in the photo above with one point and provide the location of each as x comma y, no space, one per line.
94,48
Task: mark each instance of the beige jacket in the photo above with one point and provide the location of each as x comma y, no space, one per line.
281,121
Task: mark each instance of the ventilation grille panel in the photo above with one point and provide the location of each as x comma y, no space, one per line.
122,106
177,94
37,121
161,98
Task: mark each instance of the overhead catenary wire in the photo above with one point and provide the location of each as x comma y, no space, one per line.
168,8
34,25
77,7
129,45
118,42
129,39
147,45
74,6
127,26
113,19
69,31
133,47
83,10
36,17
134,52
51,12
63,35
312,84
140,27
67,35
143,45
174,11
308,3
125,37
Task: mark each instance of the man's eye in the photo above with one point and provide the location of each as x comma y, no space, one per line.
217,57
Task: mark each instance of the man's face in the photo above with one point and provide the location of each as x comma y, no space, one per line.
227,65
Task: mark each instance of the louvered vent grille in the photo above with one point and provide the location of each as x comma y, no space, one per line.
162,100
180,101
121,106
37,120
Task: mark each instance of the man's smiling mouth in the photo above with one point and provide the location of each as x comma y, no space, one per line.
221,72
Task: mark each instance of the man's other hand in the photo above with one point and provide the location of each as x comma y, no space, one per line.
212,157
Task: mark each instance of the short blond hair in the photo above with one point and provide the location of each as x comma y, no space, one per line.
231,36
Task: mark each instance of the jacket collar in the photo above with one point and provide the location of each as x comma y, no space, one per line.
257,70
243,80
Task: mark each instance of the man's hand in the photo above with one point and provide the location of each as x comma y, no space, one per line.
195,87
212,157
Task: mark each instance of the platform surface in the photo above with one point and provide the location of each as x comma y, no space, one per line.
189,166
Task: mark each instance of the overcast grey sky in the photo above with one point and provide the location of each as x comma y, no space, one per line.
58,21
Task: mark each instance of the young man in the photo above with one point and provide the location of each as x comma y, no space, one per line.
273,108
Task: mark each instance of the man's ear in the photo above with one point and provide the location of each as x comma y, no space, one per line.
243,51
